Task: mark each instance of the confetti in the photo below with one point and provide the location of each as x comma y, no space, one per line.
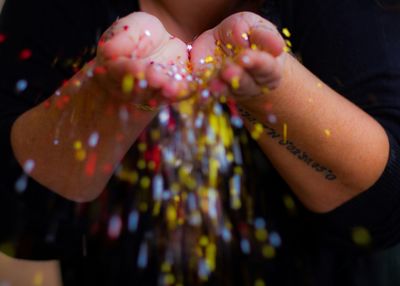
127,83
286,32
272,118
259,282
245,36
246,60
25,54
245,246
90,166
133,221
93,139
2,38
114,227
235,82
143,256
186,172
361,236
147,33
285,133
327,132
21,184
21,85
38,279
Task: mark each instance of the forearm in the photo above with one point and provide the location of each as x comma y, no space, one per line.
332,150
76,137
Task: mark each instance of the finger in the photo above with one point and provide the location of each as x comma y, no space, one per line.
246,29
265,69
239,81
171,80
203,47
135,35
265,36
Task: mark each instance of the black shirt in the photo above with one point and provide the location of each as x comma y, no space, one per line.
350,45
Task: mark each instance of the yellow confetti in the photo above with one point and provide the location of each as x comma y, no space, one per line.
235,82
238,170
289,202
77,145
285,133
257,131
361,236
261,234
145,182
259,282
166,267
151,165
254,47
265,90
127,83
203,241
156,208
229,46
80,155
286,32
213,173
327,132
142,147
155,134
143,207
171,214
209,59
169,279
141,164
38,279
268,251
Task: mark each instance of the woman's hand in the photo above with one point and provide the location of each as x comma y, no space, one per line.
251,52
140,60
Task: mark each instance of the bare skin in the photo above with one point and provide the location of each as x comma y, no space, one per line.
318,121
33,132
321,157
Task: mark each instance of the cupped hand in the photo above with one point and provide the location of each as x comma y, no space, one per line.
249,51
139,60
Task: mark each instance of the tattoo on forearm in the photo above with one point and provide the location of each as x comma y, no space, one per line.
290,146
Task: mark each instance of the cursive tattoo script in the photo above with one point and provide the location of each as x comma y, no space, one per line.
290,146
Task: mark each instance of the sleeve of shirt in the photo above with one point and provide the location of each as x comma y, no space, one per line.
42,43
353,46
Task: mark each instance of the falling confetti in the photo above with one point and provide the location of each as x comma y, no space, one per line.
2,38
25,54
187,176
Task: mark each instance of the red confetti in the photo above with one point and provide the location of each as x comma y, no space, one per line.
153,103
232,107
47,104
156,157
100,70
2,38
126,28
25,54
90,166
